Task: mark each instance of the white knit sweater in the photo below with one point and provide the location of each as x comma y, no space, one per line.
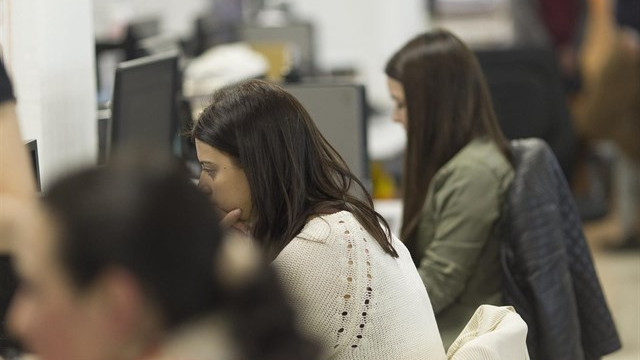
359,301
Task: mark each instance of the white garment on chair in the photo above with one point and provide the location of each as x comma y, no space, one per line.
221,66
493,333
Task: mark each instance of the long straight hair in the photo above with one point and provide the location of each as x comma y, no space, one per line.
294,174
448,105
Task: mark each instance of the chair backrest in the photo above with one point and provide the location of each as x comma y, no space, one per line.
529,99
548,271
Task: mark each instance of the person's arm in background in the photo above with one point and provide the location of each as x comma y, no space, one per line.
17,182
17,197
16,176
607,106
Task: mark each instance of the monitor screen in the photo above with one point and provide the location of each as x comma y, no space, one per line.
32,147
144,102
299,35
339,111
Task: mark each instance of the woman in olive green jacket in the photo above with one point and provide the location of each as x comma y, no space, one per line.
457,175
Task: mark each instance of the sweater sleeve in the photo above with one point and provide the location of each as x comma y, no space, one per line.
465,208
324,280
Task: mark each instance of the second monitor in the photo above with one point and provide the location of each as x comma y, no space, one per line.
339,111
144,111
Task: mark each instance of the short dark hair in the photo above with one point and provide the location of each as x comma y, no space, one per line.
448,105
292,170
142,213
146,216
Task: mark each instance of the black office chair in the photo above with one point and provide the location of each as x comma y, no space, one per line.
529,99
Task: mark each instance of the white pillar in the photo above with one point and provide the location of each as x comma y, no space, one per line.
52,61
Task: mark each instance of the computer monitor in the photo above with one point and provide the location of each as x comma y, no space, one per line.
137,31
32,147
300,35
339,112
144,110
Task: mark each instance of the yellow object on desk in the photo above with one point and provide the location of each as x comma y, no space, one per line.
280,58
384,186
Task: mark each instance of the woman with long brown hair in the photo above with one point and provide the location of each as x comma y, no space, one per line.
457,173
266,165
128,262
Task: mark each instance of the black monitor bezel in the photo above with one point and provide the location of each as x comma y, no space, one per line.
32,146
135,65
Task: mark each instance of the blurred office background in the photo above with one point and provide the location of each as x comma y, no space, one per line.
551,65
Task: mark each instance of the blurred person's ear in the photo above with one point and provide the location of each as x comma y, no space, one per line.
124,311
239,260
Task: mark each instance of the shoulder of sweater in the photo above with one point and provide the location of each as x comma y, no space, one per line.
324,228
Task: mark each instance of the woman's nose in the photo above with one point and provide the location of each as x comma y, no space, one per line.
203,187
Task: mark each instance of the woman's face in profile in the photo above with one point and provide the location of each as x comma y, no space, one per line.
51,317
225,183
400,106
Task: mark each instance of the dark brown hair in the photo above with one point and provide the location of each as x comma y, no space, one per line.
294,174
448,105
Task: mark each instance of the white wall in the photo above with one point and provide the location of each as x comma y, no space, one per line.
176,16
53,69
355,33
362,34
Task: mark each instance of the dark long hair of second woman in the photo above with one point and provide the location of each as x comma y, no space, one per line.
144,215
448,105
294,174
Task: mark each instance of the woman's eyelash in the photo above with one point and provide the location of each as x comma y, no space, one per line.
209,171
